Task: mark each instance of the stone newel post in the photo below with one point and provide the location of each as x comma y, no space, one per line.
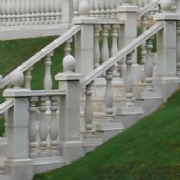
166,49
69,111
84,40
18,163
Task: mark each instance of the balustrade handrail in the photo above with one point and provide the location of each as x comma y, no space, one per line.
147,8
43,52
121,54
6,105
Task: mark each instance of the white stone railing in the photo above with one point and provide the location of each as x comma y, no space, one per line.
49,12
46,53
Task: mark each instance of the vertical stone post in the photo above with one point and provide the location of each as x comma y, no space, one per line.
178,37
18,164
69,111
67,11
166,49
84,40
127,33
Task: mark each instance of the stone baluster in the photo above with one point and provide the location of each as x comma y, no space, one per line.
48,77
114,48
52,11
58,11
75,5
109,94
102,8
42,16
43,127
32,127
148,67
92,8
33,11
22,11
39,8
144,23
13,12
108,10
129,84
54,130
28,78
96,46
97,8
67,48
47,11
105,48
88,112
8,12
3,11
178,41
27,12
113,9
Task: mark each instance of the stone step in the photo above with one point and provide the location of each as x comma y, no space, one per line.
98,104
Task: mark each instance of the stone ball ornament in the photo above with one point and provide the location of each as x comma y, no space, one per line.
166,5
83,7
69,63
17,78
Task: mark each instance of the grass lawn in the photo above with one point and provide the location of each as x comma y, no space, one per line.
150,150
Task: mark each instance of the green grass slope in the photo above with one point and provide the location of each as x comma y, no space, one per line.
150,150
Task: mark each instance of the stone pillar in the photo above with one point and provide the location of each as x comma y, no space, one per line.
84,40
127,33
178,38
166,54
67,11
69,111
18,164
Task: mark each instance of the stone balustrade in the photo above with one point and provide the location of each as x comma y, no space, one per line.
41,142
49,12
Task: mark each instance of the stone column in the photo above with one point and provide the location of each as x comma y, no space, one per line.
84,40
127,33
18,163
166,57
69,111
67,11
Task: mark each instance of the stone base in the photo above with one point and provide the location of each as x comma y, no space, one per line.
5,177
107,126
90,143
166,85
71,150
129,110
19,169
148,95
43,164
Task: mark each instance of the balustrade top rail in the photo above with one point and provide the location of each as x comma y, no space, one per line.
121,54
6,105
41,54
45,12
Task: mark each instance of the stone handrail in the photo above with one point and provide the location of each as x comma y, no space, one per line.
36,12
41,54
147,8
6,105
121,54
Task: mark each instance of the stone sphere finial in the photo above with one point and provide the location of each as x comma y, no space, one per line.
69,63
166,5
83,8
17,78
